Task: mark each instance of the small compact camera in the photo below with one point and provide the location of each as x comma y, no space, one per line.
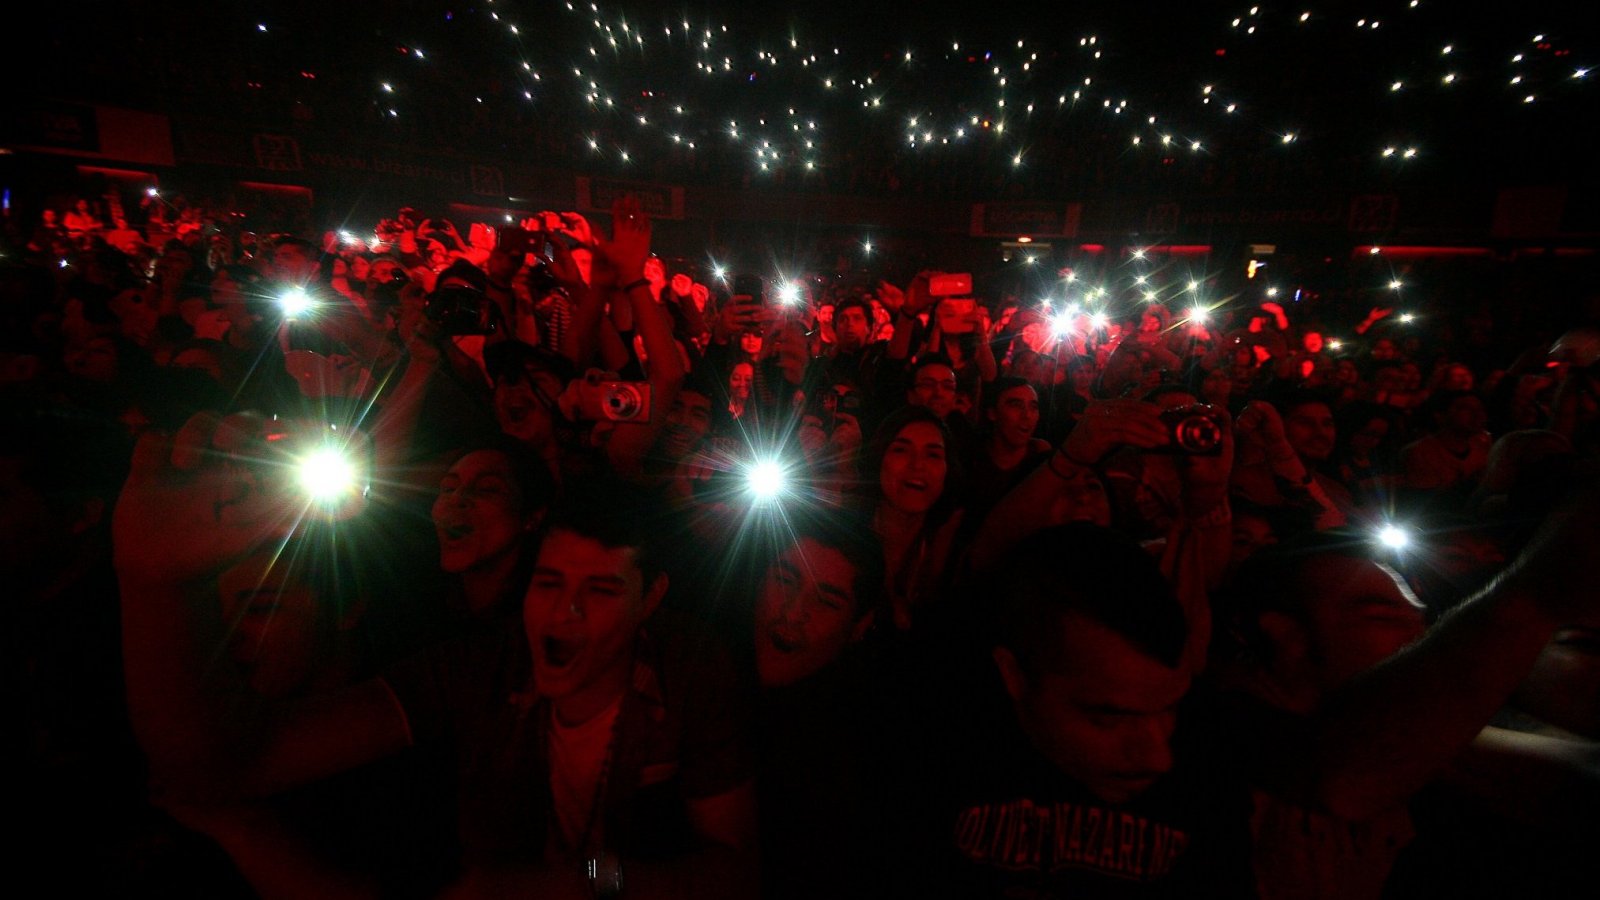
613,401
1195,430
461,311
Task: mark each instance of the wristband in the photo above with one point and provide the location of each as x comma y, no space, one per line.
642,282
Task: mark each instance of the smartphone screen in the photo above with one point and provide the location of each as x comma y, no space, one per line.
512,239
748,289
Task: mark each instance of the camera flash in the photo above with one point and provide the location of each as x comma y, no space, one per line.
1394,537
327,475
295,301
765,480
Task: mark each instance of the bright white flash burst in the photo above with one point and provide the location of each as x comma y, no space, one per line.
765,480
327,475
1394,537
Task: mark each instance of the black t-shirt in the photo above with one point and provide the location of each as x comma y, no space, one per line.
1000,820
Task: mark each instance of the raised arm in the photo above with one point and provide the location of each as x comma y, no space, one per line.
627,251
193,504
1388,732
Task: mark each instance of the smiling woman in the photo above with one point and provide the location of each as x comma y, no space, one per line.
914,510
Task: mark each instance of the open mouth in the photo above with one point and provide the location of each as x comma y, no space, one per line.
784,641
517,413
560,652
455,532
1586,640
914,485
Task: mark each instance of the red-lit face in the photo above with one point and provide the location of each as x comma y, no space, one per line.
478,514
1313,342
739,381
1564,686
1016,416
1310,431
1081,498
934,389
291,264
92,358
1458,378
519,409
806,613
274,632
686,425
583,609
1359,614
914,468
850,327
1103,712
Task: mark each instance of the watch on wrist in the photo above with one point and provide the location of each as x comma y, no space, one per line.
605,875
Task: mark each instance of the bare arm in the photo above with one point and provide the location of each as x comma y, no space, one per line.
627,251
1106,425
1532,778
1391,730
186,511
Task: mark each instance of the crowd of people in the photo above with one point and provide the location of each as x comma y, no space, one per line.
516,562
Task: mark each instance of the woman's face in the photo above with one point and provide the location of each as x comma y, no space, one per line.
478,515
750,343
914,468
739,381
359,267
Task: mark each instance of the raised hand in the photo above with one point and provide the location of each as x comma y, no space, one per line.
629,246
891,297
195,502
1108,424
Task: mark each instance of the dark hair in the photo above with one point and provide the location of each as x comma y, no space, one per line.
885,435
931,359
464,270
1093,572
851,534
513,358
617,514
1298,397
530,471
992,392
1276,580
854,301
1440,402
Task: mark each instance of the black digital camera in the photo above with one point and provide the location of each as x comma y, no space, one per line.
1194,430
462,311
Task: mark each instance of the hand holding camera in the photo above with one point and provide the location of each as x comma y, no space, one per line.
601,397
1108,424
200,499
